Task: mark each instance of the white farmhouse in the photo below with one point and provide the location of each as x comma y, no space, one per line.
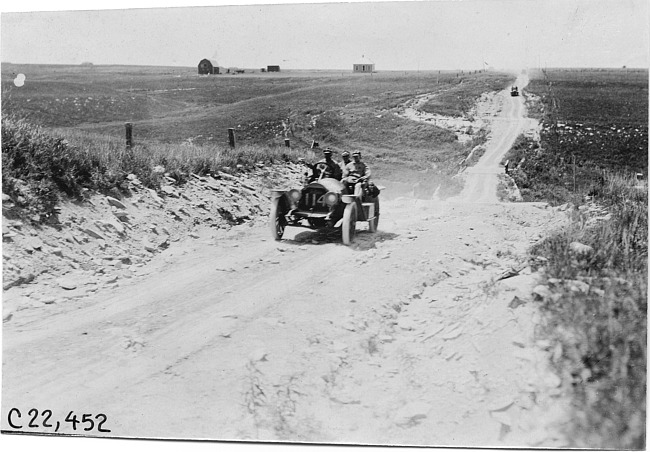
364,66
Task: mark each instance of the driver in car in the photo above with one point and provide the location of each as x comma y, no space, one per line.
356,173
325,167
333,169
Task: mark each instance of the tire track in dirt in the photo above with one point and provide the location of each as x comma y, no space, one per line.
481,180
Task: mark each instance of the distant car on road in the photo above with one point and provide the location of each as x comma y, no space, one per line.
324,202
514,91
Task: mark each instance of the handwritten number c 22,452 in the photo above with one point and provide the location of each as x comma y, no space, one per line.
88,421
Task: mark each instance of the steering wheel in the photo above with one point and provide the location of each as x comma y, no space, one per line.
321,168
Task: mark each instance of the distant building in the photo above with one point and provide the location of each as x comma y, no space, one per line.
272,68
367,67
208,67
364,65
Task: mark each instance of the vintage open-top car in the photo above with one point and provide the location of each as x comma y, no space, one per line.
322,203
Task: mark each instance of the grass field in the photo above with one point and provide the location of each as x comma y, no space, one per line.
175,105
593,120
593,142
180,121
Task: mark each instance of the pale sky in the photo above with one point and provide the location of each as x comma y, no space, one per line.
400,35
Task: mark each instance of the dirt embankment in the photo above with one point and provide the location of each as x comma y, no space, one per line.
488,106
103,241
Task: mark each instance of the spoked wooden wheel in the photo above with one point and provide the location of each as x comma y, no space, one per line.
277,220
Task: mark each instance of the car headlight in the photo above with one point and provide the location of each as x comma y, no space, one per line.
331,198
294,195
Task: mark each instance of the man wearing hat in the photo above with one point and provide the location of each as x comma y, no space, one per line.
331,168
356,172
346,159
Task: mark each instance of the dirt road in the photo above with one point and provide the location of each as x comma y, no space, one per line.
406,337
481,179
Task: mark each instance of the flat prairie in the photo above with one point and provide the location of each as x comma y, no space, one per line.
176,105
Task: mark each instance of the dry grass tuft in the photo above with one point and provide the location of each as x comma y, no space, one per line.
39,165
601,320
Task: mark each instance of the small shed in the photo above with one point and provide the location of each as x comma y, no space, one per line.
208,67
272,68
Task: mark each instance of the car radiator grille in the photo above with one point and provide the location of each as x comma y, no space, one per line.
313,200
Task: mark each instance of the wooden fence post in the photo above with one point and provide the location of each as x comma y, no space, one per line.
231,138
129,134
574,173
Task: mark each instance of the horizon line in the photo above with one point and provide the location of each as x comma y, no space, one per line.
86,64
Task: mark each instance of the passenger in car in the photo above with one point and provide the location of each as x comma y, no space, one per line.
356,173
346,159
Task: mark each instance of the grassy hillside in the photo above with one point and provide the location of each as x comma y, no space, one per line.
64,129
39,166
463,94
175,105
593,142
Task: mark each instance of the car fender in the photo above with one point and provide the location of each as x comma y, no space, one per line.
348,199
278,193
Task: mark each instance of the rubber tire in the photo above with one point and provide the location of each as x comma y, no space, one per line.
372,224
349,223
277,221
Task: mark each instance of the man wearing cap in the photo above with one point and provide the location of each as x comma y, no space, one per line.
346,159
331,168
356,172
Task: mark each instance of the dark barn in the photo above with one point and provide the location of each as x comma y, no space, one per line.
208,67
273,69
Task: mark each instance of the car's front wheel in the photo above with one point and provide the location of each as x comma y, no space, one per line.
277,220
349,223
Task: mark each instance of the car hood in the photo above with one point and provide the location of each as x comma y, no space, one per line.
328,184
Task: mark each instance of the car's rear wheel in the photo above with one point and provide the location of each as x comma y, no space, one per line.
349,223
372,224
277,220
